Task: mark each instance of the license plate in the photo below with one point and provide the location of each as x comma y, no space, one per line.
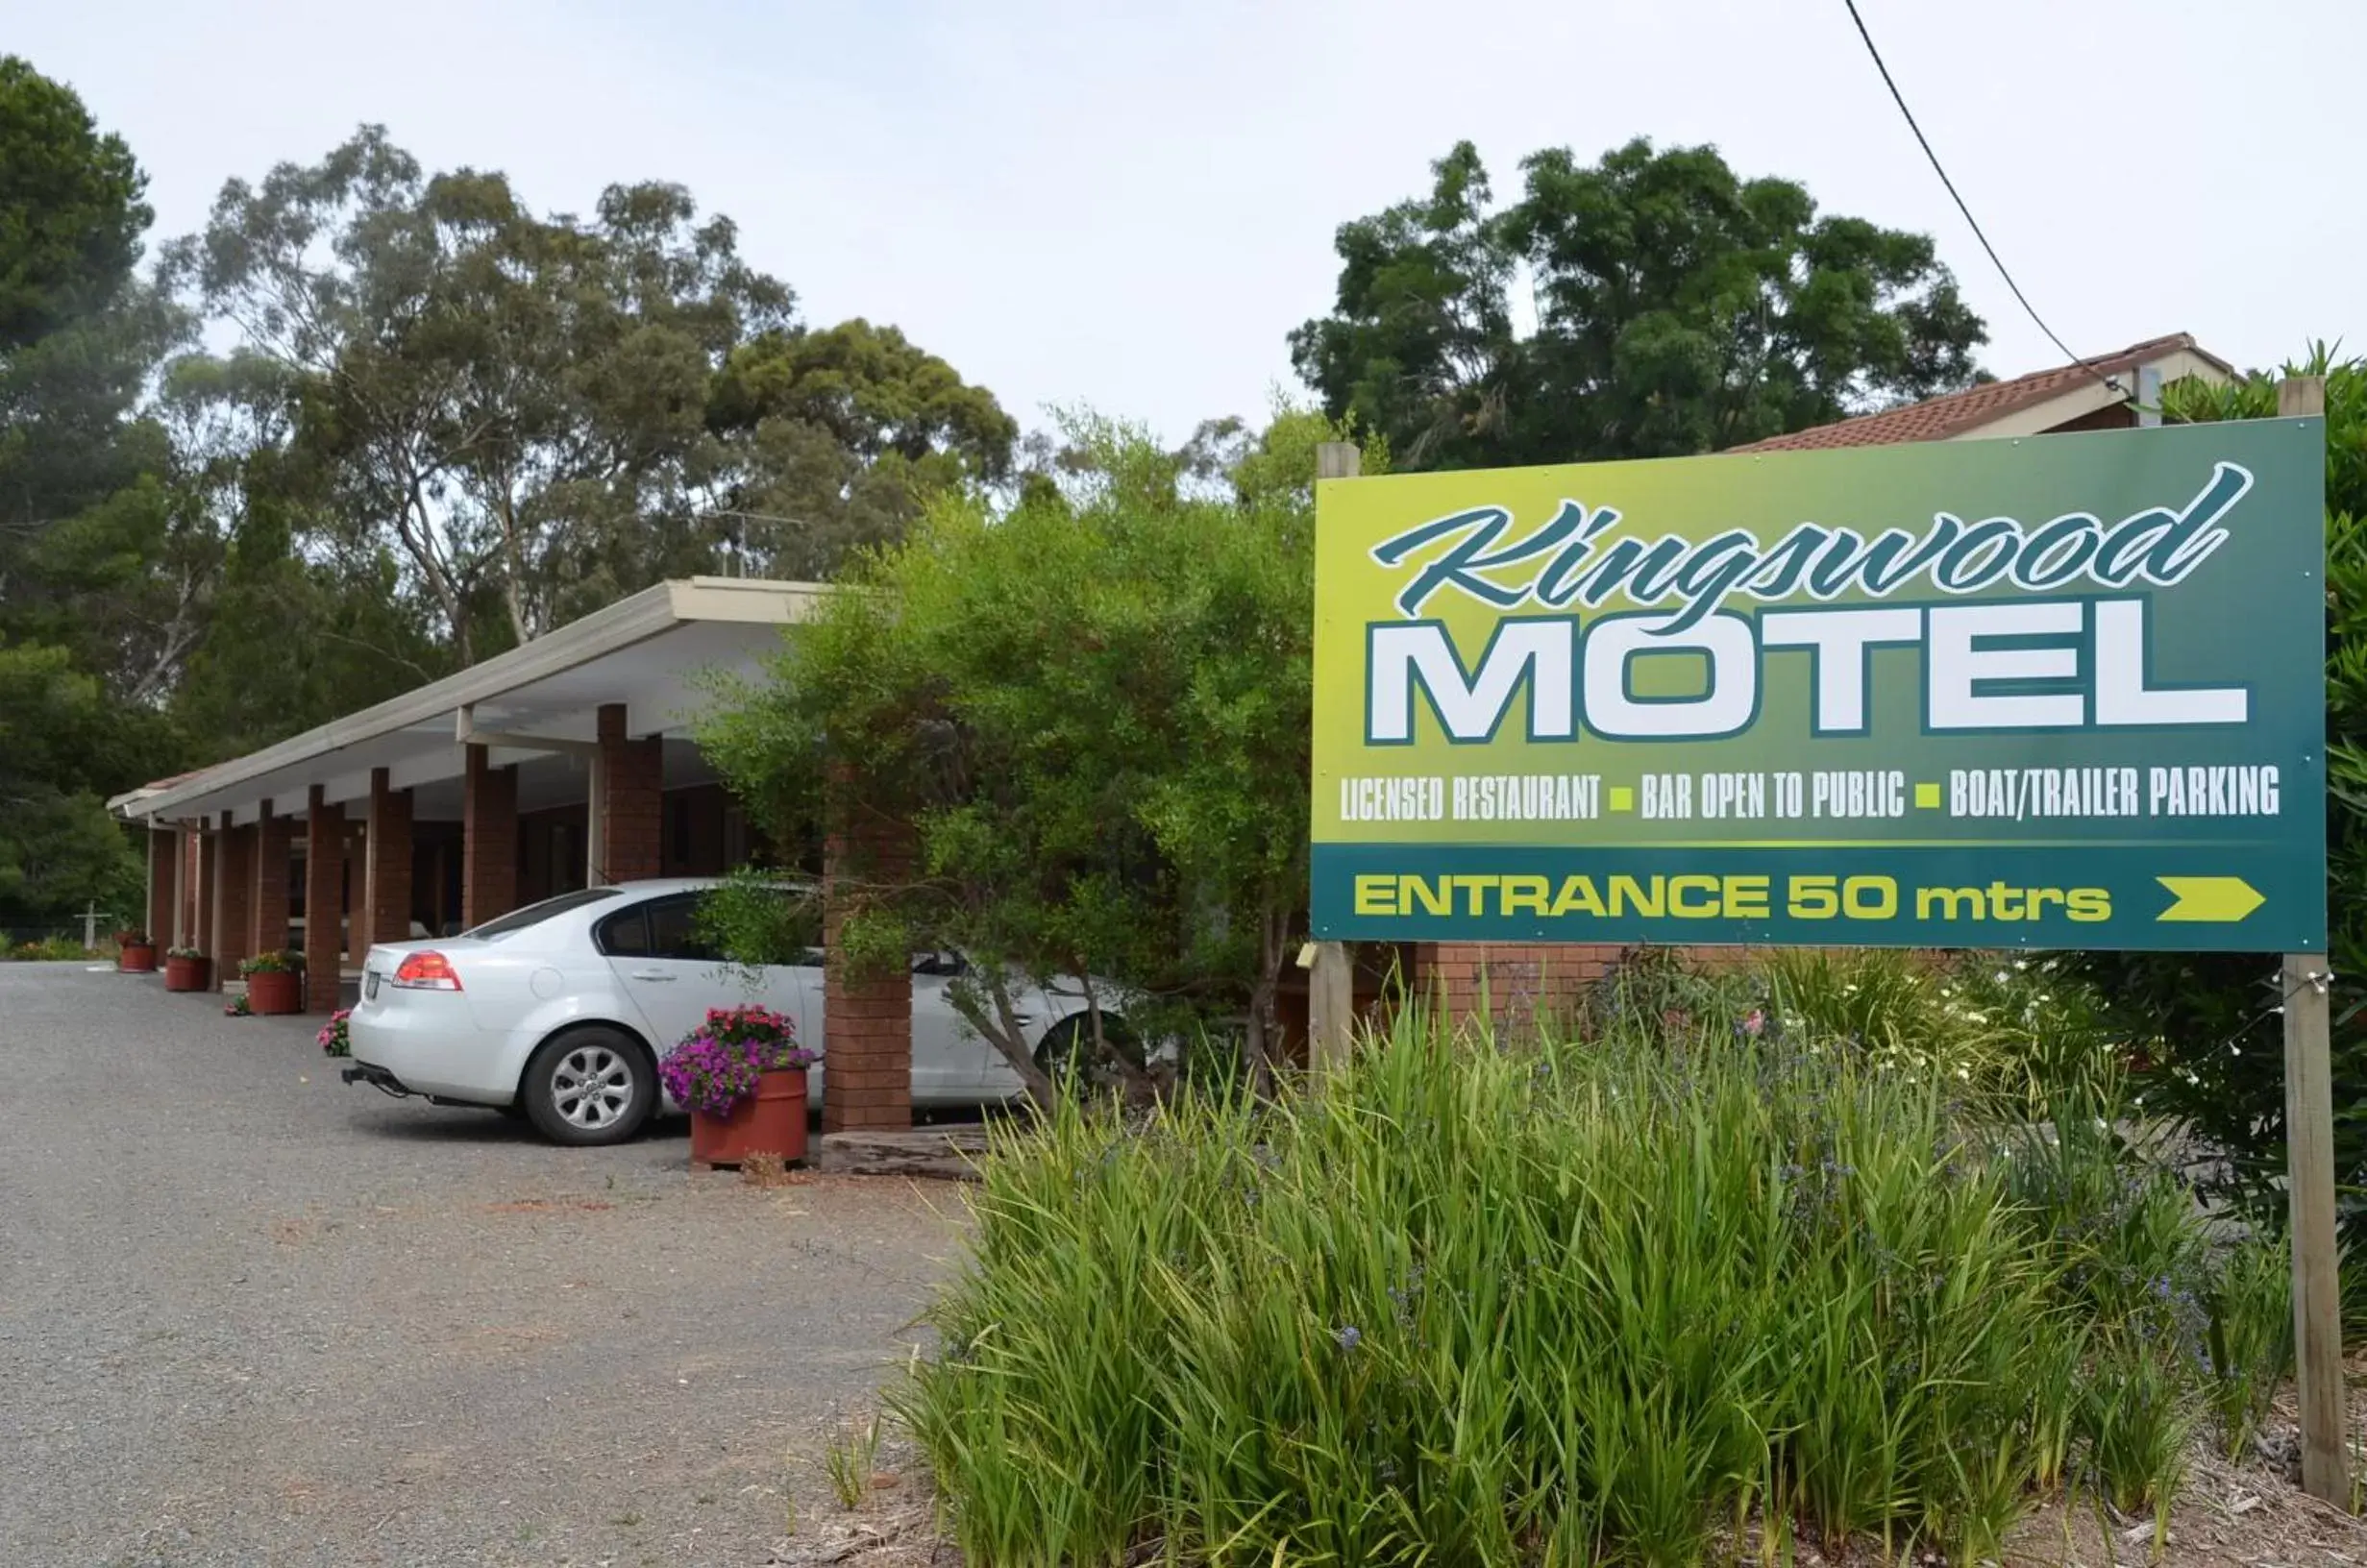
369,985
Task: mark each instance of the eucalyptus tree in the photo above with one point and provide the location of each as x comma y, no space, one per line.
1652,304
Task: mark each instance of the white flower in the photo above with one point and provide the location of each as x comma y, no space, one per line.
2002,977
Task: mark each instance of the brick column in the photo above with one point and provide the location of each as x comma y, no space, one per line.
233,930
867,1024
268,907
161,884
488,840
386,869
324,902
628,840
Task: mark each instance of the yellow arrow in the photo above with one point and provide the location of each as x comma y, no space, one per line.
2225,899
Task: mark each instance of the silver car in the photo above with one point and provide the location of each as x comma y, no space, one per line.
559,1012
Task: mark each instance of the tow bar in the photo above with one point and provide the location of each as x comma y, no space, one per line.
378,1078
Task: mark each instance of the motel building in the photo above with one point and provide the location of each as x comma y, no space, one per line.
569,762
564,763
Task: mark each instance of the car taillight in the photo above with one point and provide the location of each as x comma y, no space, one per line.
426,972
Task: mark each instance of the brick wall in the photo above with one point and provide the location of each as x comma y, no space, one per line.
488,840
1514,981
208,851
235,933
386,893
159,917
695,815
269,905
629,841
867,1024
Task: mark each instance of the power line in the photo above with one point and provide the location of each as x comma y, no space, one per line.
1925,143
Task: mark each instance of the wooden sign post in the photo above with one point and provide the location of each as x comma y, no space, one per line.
1331,979
2310,1154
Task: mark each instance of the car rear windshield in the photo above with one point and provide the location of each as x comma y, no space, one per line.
518,919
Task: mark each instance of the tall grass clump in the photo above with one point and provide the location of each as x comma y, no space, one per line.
1598,1299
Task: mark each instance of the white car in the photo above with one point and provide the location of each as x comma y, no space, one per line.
559,1010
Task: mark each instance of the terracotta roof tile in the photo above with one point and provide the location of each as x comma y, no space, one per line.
1935,419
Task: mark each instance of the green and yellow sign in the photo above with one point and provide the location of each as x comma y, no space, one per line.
2059,692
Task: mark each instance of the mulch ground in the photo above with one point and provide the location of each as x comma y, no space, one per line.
2248,1514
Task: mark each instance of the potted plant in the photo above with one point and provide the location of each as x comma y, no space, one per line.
187,968
274,982
741,1075
333,1038
135,953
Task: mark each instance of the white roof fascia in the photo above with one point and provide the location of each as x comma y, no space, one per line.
647,614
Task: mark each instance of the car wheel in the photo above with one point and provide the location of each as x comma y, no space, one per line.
589,1086
1066,1057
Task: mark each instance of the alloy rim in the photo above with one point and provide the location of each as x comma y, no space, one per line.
592,1086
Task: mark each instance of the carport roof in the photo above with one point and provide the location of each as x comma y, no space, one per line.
648,651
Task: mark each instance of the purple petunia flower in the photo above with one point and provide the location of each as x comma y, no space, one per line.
717,1065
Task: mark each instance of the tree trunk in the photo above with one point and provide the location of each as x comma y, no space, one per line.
513,567
1003,1032
1263,1033
417,530
1139,1083
1258,1046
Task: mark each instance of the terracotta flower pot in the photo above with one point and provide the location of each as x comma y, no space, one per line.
187,974
275,990
770,1122
136,958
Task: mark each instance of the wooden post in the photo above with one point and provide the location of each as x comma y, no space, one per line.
2309,1154
1331,980
324,900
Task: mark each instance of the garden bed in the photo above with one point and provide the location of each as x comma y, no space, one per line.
2247,1515
1858,1261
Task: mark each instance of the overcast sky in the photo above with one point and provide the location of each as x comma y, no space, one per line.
1128,205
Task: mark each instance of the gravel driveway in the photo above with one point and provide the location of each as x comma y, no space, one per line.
249,1314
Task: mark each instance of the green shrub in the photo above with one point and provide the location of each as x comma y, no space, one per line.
2218,1064
2136,1267
1601,1299
2002,1033
49,949
2250,1339
2005,1032
2134,1419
